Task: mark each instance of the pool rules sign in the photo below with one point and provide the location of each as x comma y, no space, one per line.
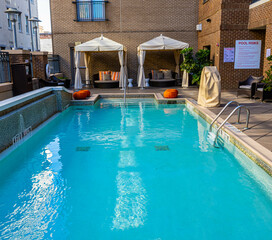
247,54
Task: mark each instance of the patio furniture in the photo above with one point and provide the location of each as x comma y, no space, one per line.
105,83
147,82
54,81
130,80
100,44
209,94
262,93
161,43
248,86
22,79
163,82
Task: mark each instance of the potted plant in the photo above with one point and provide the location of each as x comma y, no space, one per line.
194,64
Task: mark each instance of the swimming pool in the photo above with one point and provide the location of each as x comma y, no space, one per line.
141,172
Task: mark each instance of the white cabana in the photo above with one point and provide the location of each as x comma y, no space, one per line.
158,43
101,44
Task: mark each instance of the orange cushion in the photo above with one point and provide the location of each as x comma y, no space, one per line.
86,91
170,93
79,95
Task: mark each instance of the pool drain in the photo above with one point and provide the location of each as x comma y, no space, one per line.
83,149
162,148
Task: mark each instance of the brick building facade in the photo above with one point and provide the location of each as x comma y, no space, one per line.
224,22
128,22
260,18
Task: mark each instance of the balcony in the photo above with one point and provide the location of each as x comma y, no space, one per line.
90,11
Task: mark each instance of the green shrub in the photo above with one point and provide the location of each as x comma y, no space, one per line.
268,78
194,64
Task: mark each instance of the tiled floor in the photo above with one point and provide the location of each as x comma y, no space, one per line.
260,127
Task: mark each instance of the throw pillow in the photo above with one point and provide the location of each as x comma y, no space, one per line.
115,76
160,75
154,74
101,74
167,74
106,76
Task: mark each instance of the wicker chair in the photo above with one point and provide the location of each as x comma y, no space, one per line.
262,93
248,87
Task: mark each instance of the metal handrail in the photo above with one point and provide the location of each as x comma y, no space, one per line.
229,116
219,114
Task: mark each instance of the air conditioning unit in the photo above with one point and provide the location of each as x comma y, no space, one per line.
199,27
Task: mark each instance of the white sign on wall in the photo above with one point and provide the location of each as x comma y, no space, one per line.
229,54
247,54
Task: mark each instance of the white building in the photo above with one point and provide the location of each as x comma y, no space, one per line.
25,37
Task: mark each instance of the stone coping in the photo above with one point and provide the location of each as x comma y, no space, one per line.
39,53
17,51
20,99
158,96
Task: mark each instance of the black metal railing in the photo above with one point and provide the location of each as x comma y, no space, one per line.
91,10
4,68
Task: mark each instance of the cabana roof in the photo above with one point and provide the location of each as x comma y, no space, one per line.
162,43
100,44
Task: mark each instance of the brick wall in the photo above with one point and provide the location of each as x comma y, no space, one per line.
229,22
260,18
39,61
131,23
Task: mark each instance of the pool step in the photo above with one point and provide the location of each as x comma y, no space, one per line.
211,138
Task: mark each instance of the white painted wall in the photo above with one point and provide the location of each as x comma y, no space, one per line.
23,38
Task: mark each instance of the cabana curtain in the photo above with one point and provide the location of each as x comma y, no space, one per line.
102,44
78,83
122,70
141,78
177,60
87,61
158,43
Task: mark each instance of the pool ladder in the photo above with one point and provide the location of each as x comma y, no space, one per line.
125,92
212,137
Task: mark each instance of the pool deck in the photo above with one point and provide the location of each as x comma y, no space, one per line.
260,126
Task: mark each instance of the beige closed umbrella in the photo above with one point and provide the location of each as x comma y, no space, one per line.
209,94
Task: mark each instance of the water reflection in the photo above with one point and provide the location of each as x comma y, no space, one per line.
39,207
127,159
130,209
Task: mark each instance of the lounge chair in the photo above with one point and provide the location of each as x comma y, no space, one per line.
262,93
248,87
54,81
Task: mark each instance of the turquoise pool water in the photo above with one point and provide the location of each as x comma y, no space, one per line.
141,172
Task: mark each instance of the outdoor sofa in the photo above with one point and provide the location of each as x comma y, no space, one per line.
104,83
162,78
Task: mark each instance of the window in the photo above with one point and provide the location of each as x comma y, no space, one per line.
27,24
19,23
9,22
93,10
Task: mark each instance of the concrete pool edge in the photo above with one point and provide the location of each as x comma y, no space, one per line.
252,149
